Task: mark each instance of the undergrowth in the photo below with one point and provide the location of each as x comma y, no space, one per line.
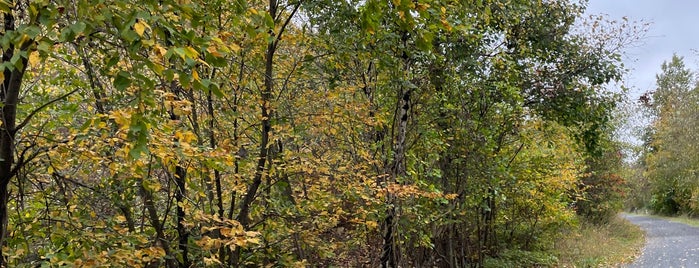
588,245
608,245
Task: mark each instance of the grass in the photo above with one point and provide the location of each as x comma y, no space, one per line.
600,246
681,219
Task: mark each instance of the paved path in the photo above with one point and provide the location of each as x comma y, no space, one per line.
668,244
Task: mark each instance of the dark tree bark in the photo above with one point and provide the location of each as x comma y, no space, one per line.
397,168
180,196
154,219
266,126
9,95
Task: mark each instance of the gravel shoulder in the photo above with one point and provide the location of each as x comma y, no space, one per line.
668,244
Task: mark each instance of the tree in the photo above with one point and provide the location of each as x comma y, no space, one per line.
291,133
673,109
27,35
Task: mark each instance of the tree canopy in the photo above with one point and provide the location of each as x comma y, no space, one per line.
303,132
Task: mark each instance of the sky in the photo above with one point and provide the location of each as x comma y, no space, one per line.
672,30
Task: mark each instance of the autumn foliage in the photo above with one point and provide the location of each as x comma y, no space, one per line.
300,133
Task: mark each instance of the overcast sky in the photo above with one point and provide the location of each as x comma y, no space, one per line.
673,30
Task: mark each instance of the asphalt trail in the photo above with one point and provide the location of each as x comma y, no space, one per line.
668,244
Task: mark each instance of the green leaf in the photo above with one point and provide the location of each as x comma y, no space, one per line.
424,41
67,35
15,60
44,46
137,150
216,61
78,27
269,21
185,79
179,51
216,90
129,35
169,75
138,133
122,80
32,31
112,61
7,65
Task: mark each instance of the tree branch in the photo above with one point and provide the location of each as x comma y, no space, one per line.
43,106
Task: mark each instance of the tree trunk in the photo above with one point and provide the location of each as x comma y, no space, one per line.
265,112
154,219
9,94
397,168
180,194
266,127
182,232
388,257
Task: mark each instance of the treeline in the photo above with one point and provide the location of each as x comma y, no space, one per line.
665,174
302,133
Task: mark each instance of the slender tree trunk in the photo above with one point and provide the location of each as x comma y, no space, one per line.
182,232
265,113
9,94
218,198
180,194
266,127
180,182
397,168
206,174
236,136
95,84
129,217
154,220
388,257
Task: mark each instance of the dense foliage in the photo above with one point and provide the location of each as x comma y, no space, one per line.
302,133
669,167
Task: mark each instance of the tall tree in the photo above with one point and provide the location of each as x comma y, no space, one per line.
673,107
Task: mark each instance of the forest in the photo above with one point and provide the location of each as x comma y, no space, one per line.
318,133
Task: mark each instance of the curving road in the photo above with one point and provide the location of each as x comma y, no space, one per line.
668,244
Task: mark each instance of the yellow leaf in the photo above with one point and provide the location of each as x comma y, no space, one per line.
140,27
157,68
422,7
148,42
235,47
225,232
34,59
211,261
372,224
161,50
2,77
23,40
191,52
195,75
214,51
